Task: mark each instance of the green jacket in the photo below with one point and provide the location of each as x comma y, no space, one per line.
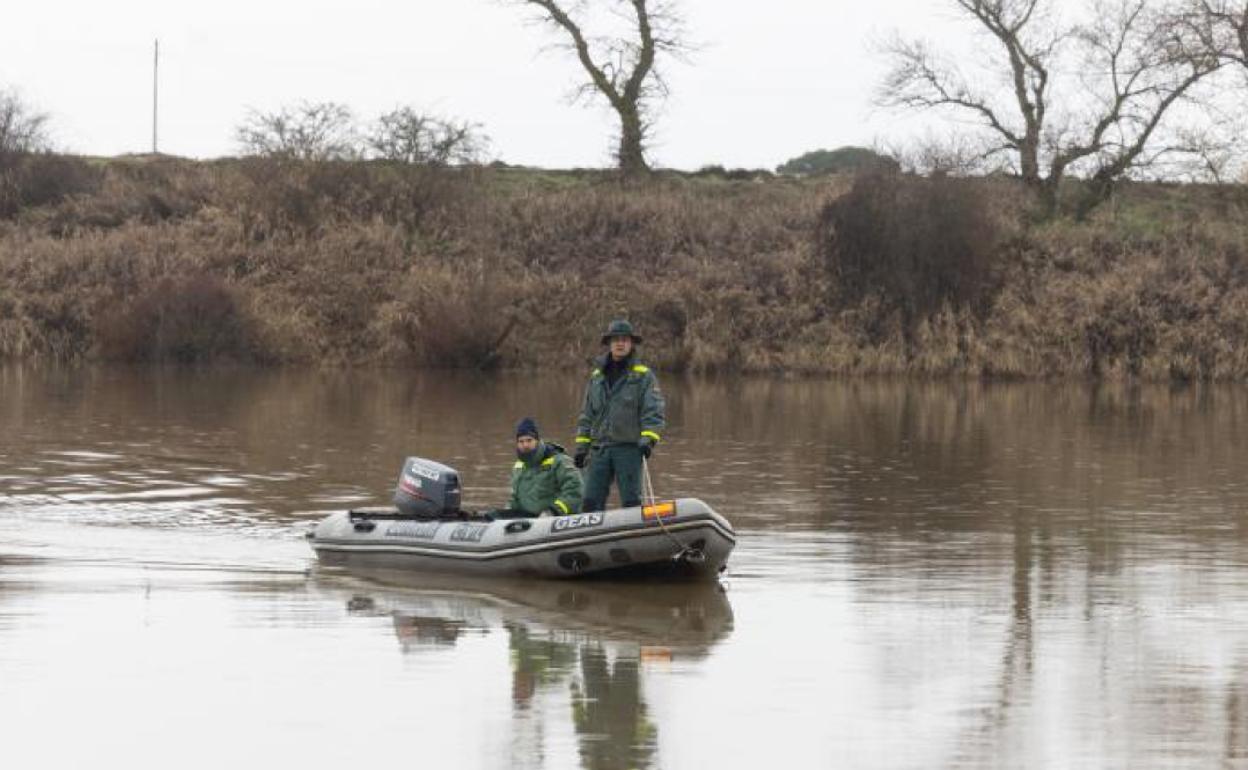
550,480
624,414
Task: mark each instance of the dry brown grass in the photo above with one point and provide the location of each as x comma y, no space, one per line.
379,264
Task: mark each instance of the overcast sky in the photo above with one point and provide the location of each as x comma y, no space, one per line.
771,79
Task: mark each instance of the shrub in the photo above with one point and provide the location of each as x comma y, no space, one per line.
913,243
47,179
306,131
733,174
461,313
185,320
842,160
404,135
306,198
22,129
42,179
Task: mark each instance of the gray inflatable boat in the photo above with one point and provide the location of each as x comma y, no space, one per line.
426,531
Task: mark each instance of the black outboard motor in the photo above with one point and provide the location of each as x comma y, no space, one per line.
427,490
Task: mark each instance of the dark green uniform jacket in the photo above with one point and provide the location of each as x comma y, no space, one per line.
549,480
622,414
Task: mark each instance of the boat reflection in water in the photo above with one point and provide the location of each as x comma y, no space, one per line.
579,651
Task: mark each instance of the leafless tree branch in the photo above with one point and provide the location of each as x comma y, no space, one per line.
22,128
622,69
1134,61
408,136
307,131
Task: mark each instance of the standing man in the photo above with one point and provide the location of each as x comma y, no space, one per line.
620,421
543,480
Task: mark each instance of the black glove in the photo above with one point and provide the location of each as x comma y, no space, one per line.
582,453
646,445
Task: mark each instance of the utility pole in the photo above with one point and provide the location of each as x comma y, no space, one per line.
155,91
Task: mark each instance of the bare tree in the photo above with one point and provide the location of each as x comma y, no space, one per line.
408,136
1223,24
1152,68
22,129
307,131
622,69
1089,97
941,155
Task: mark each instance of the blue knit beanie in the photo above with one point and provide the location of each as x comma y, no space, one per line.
527,427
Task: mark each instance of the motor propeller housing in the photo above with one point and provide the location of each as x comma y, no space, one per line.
427,489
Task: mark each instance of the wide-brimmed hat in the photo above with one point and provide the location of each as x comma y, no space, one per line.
620,328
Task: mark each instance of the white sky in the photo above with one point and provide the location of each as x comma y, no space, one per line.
772,79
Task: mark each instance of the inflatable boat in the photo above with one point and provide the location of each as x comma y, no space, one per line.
427,531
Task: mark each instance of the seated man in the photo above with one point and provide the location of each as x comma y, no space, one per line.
544,479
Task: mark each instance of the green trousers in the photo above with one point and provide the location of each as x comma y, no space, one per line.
618,462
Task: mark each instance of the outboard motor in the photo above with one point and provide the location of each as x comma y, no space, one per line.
427,490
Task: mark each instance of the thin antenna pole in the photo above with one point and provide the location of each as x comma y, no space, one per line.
155,91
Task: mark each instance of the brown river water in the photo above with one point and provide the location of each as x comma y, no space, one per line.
927,576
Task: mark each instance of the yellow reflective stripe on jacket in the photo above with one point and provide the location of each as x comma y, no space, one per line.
562,506
519,464
549,461
596,373
640,369
584,440
651,434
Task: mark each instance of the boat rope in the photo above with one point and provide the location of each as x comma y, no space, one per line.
649,498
